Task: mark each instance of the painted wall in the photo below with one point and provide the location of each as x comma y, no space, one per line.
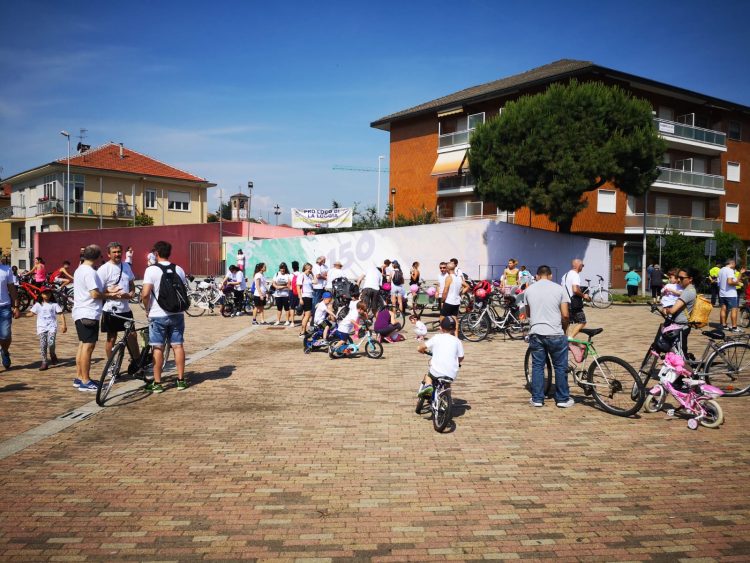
59,246
477,244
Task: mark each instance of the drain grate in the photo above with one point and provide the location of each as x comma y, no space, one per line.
75,415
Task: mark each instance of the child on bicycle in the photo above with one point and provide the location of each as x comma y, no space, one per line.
447,355
349,325
46,326
324,316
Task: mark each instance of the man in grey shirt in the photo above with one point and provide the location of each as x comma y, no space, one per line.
547,306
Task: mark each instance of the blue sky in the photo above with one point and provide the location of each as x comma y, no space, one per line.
278,93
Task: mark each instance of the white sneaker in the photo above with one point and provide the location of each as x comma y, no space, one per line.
567,404
287,323
533,403
277,323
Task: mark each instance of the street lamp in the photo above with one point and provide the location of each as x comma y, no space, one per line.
393,206
277,212
66,190
250,198
380,160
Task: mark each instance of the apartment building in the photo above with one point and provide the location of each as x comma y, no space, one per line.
109,185
704,181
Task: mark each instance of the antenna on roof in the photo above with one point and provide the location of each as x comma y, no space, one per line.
81,147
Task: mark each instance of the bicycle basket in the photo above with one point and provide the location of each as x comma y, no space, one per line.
700,313
577,351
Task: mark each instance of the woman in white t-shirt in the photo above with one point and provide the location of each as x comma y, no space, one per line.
260,293
282,284
305,291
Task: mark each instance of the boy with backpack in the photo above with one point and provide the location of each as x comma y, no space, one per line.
164,297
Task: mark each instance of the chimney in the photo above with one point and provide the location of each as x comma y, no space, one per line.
122,152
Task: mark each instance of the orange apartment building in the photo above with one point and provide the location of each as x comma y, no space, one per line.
704,184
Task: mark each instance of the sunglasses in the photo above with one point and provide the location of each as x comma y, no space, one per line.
683,277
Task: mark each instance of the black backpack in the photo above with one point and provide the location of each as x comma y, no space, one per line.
398,277
172,296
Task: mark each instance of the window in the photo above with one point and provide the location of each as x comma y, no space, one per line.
733,171
732,214
22,264
179,201
734,130
45,228
476,119
606,201
50,185
22,237
149,199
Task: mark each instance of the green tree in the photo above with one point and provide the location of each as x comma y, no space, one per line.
143,220
547,150
679,251
727,244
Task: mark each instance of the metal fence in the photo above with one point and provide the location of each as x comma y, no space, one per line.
206,259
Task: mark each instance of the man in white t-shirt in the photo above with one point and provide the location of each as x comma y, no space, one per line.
163,323
571,282
119,285
8,311
320,273
88,295
370,283
441,283
447,355
728,281
333,274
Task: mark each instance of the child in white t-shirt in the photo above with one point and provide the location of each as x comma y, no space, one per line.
672,291
447,355
46,326
420,329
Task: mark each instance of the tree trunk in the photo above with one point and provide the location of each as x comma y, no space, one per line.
565,226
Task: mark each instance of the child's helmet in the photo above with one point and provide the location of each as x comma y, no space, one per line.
431,291
480,293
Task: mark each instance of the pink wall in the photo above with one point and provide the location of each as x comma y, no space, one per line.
58,246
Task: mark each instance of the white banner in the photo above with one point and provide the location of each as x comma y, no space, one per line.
338,218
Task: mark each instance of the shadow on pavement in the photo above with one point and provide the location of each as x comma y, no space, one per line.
15,387
222,372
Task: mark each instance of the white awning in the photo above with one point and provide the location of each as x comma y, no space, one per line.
449,163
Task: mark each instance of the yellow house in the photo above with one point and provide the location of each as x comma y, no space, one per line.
4,225
108,186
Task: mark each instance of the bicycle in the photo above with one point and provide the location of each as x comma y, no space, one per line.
372,348
725,365
231,307
441,402
697,399
476,325
313,340
613,382
601,298
28,293
203,297
744,320
111,372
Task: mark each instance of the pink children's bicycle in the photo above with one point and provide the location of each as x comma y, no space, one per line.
695,397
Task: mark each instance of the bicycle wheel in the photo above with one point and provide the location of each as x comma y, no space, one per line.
136,298
729,368
474,327
465,304
420,405
110,373
547,370
652,404
714,414
517,330
601,299
270,301
24,299
612,382
228,309
373,349
197,304
442,414
167,352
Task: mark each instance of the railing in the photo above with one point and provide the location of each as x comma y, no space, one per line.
457,138
684,178
504,217
455,182
12,212
690,132
673,222
91,209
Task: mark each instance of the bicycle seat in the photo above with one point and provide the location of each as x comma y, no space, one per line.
716,334
588,280
692,382
591,331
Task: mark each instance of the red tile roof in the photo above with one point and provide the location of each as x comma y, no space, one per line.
107,157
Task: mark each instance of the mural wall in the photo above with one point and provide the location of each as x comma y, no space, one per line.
482,247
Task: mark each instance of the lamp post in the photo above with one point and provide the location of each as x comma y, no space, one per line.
277,212
380,160
249,205
66,190
393,206
643,259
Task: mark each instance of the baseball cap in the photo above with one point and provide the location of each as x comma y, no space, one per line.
327,294
448,324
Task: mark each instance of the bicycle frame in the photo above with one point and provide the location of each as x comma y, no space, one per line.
584,364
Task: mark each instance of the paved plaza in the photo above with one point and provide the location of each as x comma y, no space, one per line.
273,454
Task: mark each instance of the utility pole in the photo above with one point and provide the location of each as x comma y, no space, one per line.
277,212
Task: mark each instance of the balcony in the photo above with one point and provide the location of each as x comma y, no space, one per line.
80,209
455,185
656,224
691,138
681,181
470,210
454,139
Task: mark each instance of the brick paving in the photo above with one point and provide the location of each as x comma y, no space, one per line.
277,455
